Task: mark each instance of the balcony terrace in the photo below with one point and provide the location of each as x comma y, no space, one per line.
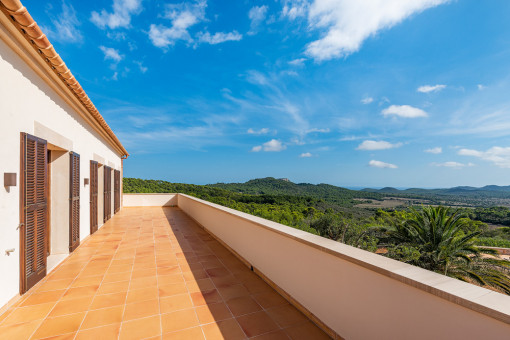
175,267
153,272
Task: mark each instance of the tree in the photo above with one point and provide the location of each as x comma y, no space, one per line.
437,233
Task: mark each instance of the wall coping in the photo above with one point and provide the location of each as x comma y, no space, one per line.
490,303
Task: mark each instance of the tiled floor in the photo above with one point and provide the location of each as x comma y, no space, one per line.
153,273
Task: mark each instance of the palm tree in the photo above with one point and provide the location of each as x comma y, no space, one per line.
437,234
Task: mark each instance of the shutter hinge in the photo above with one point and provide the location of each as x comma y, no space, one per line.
20,225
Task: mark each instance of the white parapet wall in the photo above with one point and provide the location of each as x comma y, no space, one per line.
150,200
355,293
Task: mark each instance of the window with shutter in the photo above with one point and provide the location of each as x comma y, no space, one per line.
93,196
116,189
34,210
74,201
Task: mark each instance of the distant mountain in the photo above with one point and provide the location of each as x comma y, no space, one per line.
486,191
274,186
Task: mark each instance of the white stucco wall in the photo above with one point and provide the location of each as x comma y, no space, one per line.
28,104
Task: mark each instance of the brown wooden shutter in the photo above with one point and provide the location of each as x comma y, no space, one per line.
116,189
107,193
74,201
34,210
93,196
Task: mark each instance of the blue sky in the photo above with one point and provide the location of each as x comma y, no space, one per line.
352,93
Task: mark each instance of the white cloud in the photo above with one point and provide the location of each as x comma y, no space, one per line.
263,131
481,87
367,100
218,37
273,145
142,68
348,23
257,14
316,130
404,111
498,155
111,53
436,150
456,165
65,26
298,62
371,145
379,164
430,88
305,155
182,17
293,9
120,16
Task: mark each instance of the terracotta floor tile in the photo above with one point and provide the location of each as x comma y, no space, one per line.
100,333
71,306
59,325
257,323
305,331
143,273
102,317
78,292
226,329
43,297
187,334
178,320
28,313
225,281
233,291
170,279
144,282
217,272
213,313
200,285
205,297
143,294
19,331
270,299
243,305
276,335
174,303
286,315
141,309
67,336
172,289
87,281
108,300
257,286
169,270
195,275
114,287
116,277
55,284
141,328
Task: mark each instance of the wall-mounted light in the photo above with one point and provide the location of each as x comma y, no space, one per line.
9,179
86,181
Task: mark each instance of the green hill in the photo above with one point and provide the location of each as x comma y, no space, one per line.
273,186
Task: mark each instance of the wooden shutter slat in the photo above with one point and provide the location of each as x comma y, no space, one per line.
116,191
107,193
93,196
74,201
